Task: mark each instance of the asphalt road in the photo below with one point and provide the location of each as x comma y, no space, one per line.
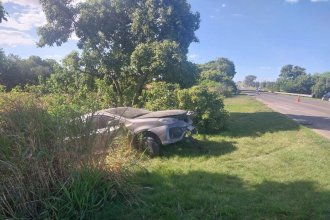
313,113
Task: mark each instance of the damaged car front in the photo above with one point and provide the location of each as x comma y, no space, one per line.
148,130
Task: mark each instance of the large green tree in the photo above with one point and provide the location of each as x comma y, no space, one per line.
250,80
119,37
218,74
291,72
219,70
17,71
295,79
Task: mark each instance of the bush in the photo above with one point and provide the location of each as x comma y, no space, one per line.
208,106
204,101
320,87
160,96
226,89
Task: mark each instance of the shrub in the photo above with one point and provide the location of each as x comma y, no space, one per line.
203,100
160,96
321,87
208,106
226,89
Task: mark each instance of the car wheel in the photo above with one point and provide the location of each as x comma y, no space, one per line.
147,143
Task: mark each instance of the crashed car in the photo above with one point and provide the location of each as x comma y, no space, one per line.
326,97
149,130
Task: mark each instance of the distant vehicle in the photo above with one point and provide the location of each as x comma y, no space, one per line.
149,130
326,97
258,91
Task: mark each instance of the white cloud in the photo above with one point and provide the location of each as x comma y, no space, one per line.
23,2
319,0
74,37
25,20
14,38
27,16
223,5
292,1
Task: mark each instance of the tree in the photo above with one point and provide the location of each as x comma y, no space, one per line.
124,28
291,72
250,80
294,79
322,84
219,70
17,71
3,13
219,75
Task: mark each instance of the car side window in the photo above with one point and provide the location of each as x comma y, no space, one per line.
100,121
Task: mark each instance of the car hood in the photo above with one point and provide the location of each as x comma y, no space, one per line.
164,114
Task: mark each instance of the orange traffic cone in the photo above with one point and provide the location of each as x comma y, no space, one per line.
298,98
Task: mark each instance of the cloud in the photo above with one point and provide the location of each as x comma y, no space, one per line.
14,38
74,37
319,1
223,5
25,20
23,2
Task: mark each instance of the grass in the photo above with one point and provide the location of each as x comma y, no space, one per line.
45,175
265,166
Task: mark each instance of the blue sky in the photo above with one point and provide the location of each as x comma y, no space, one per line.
259,36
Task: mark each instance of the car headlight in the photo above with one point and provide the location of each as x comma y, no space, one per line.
168,121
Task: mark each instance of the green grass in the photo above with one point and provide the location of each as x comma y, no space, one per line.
265,166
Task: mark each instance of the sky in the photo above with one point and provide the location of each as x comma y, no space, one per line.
259,36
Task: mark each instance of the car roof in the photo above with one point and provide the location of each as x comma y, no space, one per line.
127,112
164,114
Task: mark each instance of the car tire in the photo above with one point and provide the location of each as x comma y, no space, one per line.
147,143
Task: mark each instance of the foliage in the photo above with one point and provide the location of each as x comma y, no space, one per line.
291,72
161,96
250,81
269,85
129,34
221,71
46,175
154,60
205,102
16,71
294,79
208,107
218,70
322,84
3,13
226,89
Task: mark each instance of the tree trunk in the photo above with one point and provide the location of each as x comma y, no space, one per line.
118,90
138,88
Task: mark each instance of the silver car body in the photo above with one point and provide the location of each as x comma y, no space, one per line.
169,126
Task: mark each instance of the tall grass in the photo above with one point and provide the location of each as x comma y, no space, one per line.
46,171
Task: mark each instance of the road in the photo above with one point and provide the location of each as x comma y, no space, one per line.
313,113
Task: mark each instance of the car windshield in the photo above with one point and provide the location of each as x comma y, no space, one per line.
128,112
